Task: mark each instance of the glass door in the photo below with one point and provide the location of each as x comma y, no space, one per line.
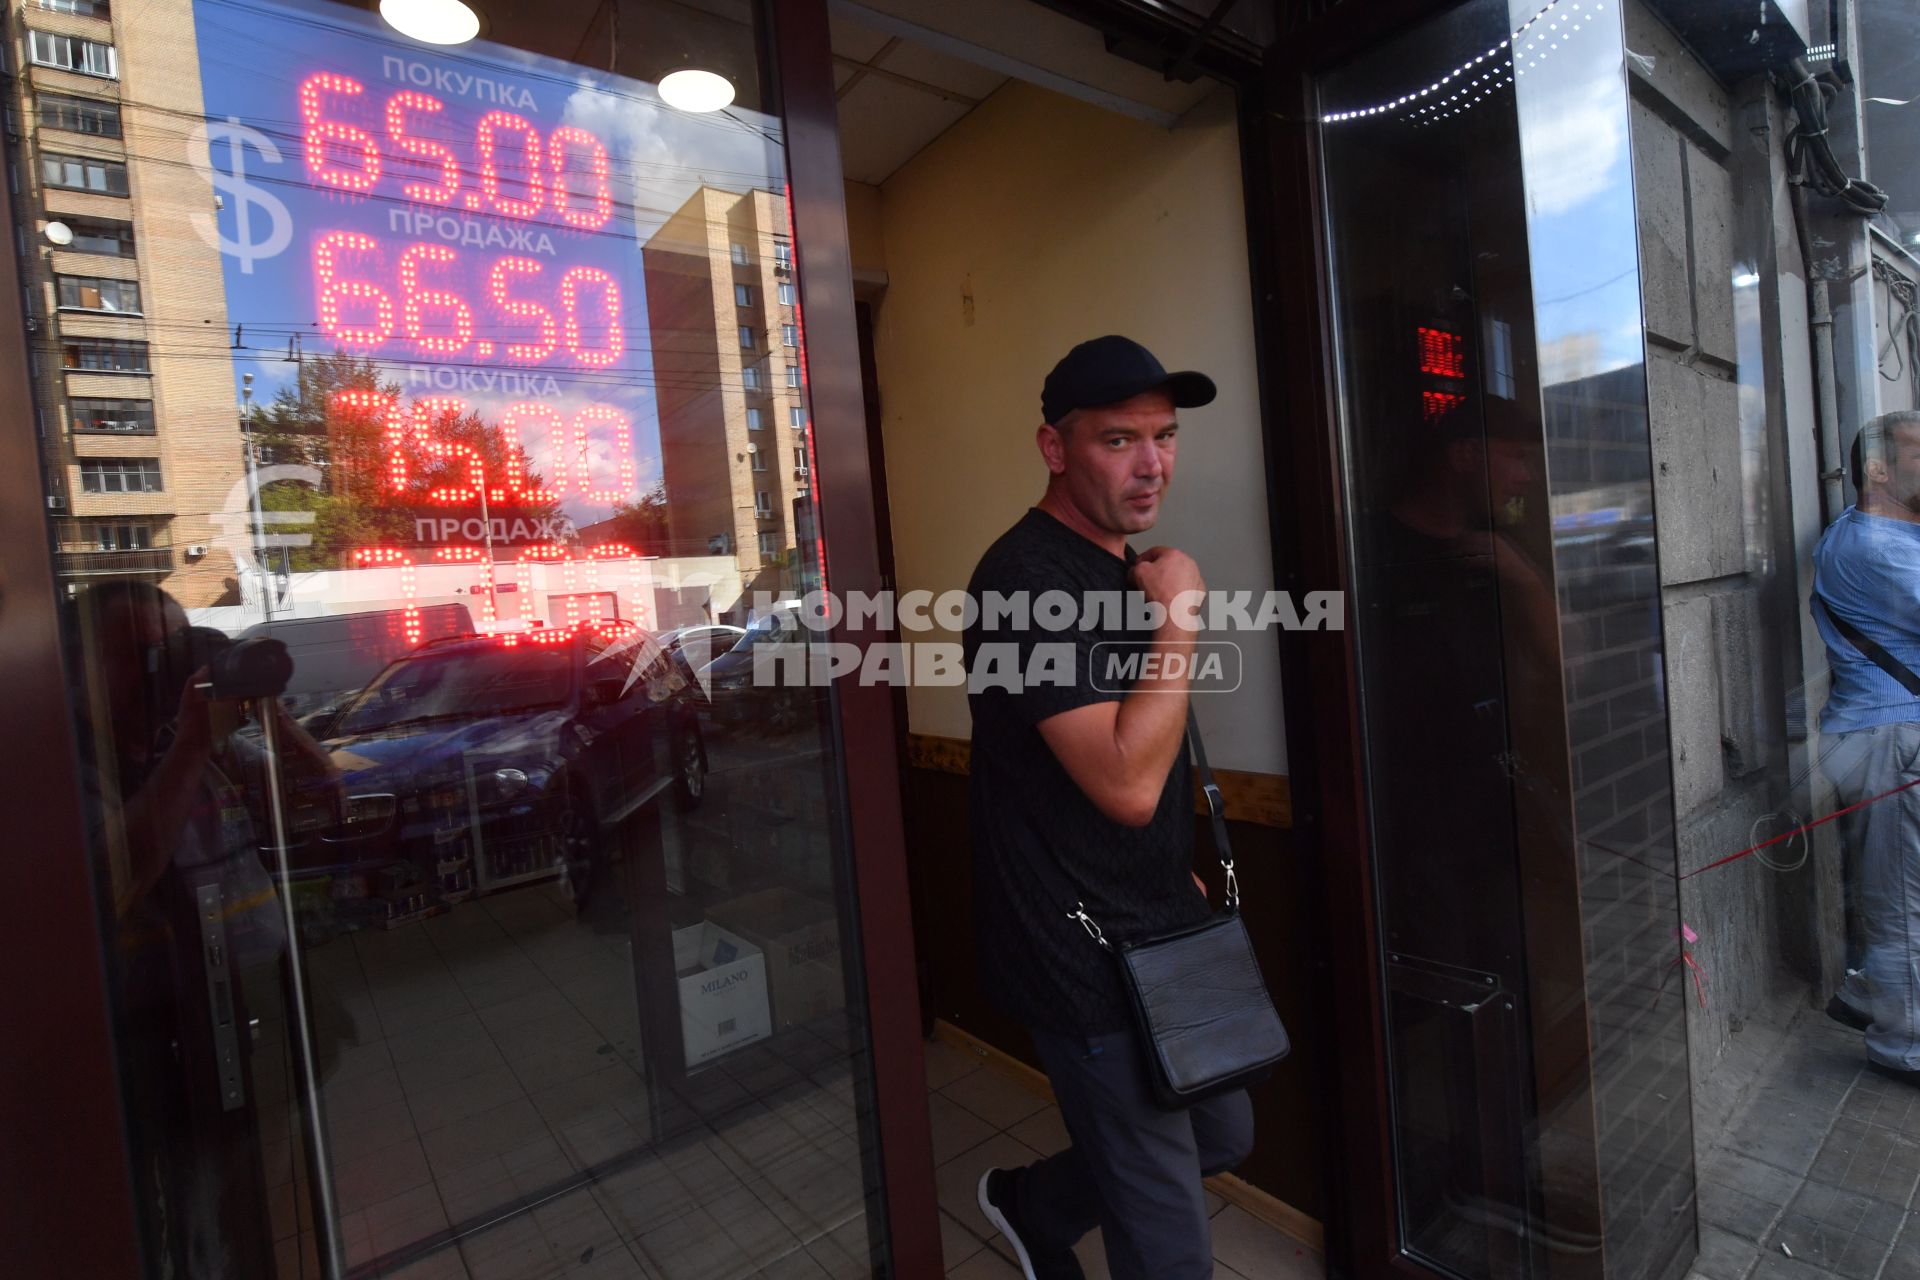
420,460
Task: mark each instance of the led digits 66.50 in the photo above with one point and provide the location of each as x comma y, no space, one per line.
361,314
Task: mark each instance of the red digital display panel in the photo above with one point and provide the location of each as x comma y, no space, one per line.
579,584
444,301
449,248
408,428
1442,354
518,174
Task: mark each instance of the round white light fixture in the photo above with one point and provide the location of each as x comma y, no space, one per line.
432,21
58,234
691,89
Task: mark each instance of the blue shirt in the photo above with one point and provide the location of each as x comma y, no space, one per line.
1869,568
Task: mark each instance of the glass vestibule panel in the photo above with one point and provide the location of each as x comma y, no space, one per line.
474,910
1442,441
1494,419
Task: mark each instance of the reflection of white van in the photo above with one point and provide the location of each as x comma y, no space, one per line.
335,656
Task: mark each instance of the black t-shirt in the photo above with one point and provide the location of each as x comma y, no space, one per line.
1039,844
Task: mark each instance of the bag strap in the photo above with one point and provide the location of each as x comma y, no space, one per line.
1217,820
1870,649
1216,808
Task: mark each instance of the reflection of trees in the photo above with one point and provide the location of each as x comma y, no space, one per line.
319,421
642,525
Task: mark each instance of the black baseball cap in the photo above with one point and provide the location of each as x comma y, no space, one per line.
1110,369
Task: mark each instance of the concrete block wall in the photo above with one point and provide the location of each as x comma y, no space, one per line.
1728,768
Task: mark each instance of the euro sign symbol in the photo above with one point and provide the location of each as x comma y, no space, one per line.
239,194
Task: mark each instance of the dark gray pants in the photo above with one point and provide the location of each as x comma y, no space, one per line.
1133,1170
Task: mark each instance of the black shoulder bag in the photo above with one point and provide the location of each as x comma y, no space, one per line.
1201,1006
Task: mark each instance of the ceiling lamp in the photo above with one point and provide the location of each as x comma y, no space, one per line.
691,89
432,21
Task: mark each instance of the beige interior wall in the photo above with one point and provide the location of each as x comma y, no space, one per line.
1033,224
868,246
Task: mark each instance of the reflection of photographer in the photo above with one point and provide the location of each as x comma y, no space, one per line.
169,702
176,799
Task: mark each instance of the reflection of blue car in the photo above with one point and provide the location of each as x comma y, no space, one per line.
335,655
484,764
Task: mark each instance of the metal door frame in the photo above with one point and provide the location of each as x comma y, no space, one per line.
61,1125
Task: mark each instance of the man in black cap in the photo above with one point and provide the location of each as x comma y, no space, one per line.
1080,793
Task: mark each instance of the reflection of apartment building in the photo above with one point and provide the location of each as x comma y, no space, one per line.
130,341
726,354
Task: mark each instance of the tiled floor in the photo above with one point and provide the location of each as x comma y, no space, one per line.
982,1117
491,1055
477,1066
1815,1174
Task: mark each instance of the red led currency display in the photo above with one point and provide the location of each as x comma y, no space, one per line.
519,173
449,247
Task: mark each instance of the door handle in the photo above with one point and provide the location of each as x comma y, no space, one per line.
215,959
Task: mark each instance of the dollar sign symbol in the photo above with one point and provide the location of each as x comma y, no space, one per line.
232,182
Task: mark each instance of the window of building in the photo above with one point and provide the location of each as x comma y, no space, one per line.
786,294
739,255
769,545
97,293
105,355
789,335
120,475
756,457
84,173
71,53
762,504
111,417
79,115
793,375
746,338
750,377
128,536
754,419
782,254
743,295
799,460
796,417
100,235
78,8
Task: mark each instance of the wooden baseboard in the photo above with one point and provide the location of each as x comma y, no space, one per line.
1265,799
1268,1208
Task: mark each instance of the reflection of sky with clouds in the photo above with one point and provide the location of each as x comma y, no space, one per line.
1570,80
255,56
1572,95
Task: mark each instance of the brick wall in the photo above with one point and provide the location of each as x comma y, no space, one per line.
1597,432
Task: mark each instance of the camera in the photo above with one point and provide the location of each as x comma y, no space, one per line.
255,668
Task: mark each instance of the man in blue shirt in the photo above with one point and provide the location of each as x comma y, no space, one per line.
1866,603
